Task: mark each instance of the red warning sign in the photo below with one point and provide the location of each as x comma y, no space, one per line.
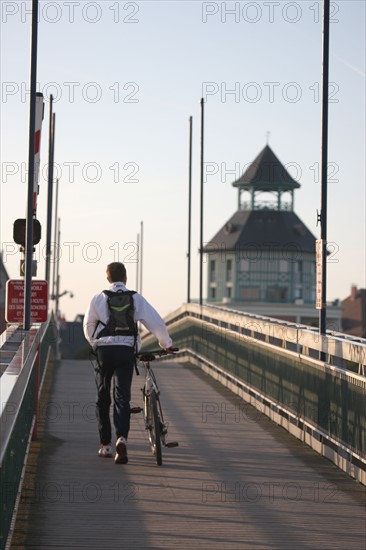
14,311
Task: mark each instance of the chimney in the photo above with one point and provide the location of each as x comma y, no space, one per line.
353,292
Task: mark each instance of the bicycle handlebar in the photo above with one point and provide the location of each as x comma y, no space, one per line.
151,355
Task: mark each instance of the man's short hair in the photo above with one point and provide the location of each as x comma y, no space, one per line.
117,272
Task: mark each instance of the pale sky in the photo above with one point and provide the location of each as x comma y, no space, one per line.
126,76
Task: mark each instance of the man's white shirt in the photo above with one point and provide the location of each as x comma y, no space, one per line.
144,312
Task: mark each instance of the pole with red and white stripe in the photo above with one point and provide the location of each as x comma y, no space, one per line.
37,148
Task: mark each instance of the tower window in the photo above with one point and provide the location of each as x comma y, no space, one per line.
283,266
212,271
244,265
249,293
229,271
277,294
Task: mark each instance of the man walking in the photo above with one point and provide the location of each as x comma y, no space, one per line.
110,328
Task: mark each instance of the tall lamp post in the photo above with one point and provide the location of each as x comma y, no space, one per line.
201,206
31,170
55,244
189,212
324,171
51,156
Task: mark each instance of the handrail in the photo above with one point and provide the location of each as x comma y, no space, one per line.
337,347
275,366
19,393
14,382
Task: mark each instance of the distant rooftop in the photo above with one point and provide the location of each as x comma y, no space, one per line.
266,173
255,229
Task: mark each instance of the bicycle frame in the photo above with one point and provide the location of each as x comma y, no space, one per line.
152,410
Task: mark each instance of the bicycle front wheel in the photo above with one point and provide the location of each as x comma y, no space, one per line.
154,427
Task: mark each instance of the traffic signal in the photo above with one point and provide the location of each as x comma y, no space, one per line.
19,231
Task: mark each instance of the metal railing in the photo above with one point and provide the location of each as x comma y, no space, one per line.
24,359
275,366
341,350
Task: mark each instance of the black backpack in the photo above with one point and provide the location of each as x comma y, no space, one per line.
121,314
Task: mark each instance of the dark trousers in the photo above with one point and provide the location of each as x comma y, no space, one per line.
117,363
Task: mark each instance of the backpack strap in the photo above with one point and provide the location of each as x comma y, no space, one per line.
132,292
108,293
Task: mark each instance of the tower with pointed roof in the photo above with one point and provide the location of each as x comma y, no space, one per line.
266,174
264,254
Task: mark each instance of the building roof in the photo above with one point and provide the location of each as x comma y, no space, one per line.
354,312
266,173
260,229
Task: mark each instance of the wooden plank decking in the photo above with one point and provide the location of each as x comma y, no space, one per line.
235,481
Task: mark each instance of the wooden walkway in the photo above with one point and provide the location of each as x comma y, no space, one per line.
235,481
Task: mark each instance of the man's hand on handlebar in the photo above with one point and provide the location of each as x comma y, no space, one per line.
171,350
151,355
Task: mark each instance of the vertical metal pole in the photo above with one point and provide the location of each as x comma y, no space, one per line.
324,165
55,254
189,211
141,257
57,290
51,154
201,211
137,263
31,171
58,268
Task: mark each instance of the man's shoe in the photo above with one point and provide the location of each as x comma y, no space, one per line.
105,451
121,454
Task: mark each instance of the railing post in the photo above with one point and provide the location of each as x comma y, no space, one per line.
36,397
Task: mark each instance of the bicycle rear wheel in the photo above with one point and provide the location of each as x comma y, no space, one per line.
154,426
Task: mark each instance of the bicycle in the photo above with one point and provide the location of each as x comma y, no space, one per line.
152,410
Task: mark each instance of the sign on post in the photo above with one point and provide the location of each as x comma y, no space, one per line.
319,247
14,309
